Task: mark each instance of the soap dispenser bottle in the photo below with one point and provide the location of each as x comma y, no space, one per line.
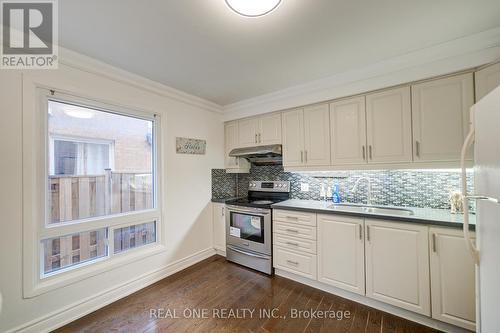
336,194
322,192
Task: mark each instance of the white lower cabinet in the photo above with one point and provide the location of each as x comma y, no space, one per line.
294,242
452,278
219,226
415,267
297,262
397,264
341,252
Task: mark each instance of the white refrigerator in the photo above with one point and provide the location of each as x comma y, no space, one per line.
485,137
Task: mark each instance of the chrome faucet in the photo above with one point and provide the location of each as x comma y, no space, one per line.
369,198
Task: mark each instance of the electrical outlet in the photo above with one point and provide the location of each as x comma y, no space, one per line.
304,187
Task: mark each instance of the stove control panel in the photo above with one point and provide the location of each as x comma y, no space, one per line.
269,186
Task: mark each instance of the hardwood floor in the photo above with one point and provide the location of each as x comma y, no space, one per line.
215,285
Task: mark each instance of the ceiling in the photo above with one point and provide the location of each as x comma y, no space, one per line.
202,48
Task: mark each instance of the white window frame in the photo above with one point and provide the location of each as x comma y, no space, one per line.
36,154
79,139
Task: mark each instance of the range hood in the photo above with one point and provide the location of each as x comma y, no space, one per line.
260,155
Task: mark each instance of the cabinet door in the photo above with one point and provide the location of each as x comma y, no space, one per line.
270,129
248,132
388,126
231,142
348,131
293,137
452,279
397,265
317,135
487,79
440,112
341,252
219,226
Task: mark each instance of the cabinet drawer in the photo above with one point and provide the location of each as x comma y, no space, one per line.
298,263
295,217
295,243
294,230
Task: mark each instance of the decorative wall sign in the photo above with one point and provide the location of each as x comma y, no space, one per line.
191,146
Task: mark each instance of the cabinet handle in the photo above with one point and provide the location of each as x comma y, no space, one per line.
364,153
370,152
368,233
260,139
301,156
292,218
360,232
292,262
222,212
294,244
434,243
256,136
417,148
292,230
305,156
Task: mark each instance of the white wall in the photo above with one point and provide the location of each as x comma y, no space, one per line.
186,199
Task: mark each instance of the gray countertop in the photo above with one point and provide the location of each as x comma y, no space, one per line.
439,217
223,200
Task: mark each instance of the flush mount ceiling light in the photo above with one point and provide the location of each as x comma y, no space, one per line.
253,8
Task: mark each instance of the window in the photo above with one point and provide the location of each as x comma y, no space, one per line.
83,247
98,187
71,156
134,236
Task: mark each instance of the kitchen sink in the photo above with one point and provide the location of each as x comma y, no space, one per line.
372,209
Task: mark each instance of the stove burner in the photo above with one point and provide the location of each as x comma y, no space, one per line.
262,202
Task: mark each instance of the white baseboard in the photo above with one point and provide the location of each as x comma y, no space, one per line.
81,308
418,318
221,252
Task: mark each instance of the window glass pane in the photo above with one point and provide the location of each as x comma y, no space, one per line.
134,236
70,250
100,163
80,158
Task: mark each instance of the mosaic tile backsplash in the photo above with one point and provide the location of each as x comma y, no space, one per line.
405,188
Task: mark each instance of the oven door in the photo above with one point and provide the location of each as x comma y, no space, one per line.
249,228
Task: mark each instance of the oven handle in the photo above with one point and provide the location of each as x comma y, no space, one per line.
247,253
257,211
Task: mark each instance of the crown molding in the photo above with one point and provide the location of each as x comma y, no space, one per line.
82,62
452,56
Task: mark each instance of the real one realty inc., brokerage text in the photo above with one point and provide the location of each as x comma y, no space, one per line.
246,313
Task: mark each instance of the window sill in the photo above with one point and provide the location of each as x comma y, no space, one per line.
93,268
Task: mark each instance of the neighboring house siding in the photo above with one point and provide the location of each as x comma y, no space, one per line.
132,151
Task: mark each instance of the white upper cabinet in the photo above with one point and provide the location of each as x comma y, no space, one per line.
441,117
293,137
259,131
487,79
452,278
233,164
231,138
317,135
348,131
422,125
248,132
397,264
388,129
341,252
270,129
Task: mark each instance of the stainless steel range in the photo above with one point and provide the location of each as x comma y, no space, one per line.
249,225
